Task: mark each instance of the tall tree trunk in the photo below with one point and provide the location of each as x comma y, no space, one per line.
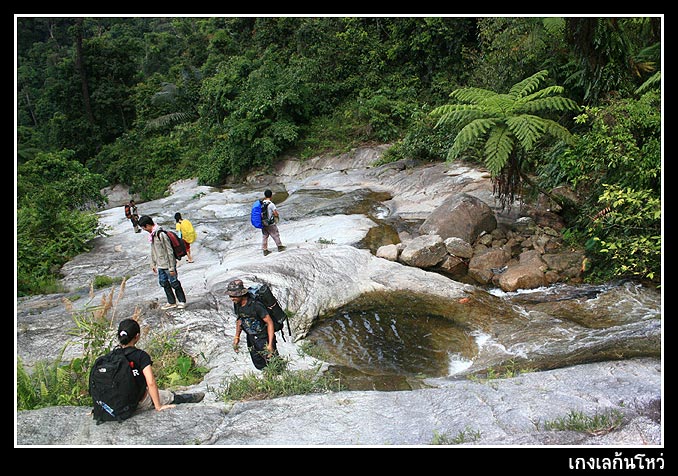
30,108
122,115
81,70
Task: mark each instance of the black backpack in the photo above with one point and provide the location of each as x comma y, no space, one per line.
263,294
265,220
178,244
112,386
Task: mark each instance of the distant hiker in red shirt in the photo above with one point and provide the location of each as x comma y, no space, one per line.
133,215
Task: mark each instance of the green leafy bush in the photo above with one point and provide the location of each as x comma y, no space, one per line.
615,165
626,239
54,221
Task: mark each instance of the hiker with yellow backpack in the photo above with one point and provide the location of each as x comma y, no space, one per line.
186,231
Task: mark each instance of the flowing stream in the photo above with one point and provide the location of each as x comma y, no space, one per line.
396,341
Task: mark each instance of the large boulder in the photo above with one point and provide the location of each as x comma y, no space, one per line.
527,274
461,215
482,266
424,251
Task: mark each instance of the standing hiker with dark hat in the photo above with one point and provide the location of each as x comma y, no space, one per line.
253,318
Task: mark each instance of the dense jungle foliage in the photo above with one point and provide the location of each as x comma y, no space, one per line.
542,102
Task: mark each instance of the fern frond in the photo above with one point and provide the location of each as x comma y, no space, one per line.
468,135
542,93
498,148
472,95
501,104
554,25
550,104
527,129
62,381
168,120
652,81
456,113
527,85
445,109
558,131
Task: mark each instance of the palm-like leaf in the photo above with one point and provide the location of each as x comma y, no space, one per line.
167,94
456,113
472,95
527,85
526,128
542,93
549,104
651,82
498,149
558,131
168,120
470,134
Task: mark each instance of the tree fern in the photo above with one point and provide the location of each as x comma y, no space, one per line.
546,92
472,95
559,132
457,113
527,129
505,122
549,104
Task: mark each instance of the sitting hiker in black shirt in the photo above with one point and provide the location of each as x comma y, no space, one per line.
150,395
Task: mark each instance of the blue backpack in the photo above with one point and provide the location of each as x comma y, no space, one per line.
259,214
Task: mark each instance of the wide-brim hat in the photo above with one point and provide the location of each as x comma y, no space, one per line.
236,288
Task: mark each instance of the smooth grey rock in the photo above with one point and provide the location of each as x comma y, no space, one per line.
495,412
323,270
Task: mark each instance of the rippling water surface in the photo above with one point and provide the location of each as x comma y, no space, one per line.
393,341
393,338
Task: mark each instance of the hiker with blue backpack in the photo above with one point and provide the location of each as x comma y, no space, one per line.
253,318
270,219
164,263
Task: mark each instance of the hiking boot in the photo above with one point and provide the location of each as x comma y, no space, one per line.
282,248
266,252
188,397
181,305
167,306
